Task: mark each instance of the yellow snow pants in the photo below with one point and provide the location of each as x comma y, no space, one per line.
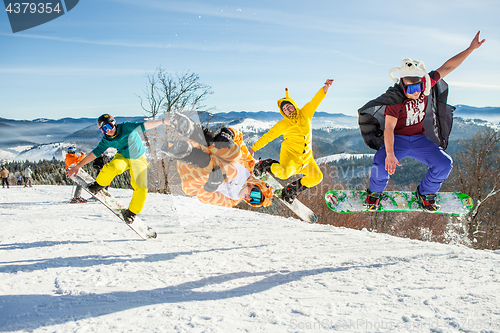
138,178
291,165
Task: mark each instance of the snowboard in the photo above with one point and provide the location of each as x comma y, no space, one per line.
301,210
351,201
142,229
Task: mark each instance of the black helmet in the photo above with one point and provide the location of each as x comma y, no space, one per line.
105,119
71,150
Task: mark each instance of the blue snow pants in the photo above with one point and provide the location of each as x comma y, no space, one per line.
420,148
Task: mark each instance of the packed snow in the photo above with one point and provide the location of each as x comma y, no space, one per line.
342,156
77,268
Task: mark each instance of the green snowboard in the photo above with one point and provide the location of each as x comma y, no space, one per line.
351,201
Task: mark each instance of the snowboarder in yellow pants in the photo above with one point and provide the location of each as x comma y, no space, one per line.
125,139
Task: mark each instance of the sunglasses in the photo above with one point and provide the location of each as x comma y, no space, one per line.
255,196
107,127
413,88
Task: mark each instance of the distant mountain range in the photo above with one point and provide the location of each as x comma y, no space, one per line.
333,133
15,133
489,113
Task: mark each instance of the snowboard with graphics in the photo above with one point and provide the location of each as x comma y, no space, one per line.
351,201
142,229
301,210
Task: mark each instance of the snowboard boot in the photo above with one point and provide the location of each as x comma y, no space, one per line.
224,139
177,148
128,216
427,201
289,192
182,124
263,166
94,188
372,201
183,151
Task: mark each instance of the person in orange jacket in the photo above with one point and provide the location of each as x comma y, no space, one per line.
72,158
216,168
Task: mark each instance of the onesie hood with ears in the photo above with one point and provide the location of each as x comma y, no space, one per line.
267,192
287,99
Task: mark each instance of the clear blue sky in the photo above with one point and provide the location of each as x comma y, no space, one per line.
94,59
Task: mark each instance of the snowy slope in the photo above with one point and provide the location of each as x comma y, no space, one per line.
75,268
338,157
44,152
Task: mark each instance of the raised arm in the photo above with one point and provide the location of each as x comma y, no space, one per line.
154,123
327,85
310,108
450,65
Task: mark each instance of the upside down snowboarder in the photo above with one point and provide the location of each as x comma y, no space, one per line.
216,168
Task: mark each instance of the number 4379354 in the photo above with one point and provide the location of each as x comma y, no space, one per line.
31,7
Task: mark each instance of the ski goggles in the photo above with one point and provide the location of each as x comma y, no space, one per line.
256,196
413,88
107,127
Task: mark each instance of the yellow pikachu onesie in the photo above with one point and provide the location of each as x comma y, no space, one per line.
296,156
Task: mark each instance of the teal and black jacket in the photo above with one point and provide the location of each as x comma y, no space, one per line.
127,141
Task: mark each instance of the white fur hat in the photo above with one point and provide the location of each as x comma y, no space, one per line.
411,67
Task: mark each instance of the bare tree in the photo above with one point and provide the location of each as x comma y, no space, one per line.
476,173
154,95
183,93
168,93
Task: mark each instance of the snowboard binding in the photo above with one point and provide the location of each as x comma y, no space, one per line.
263,166
128,216
290,192
372,201
427,201
95,188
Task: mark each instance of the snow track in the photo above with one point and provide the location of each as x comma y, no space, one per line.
76,268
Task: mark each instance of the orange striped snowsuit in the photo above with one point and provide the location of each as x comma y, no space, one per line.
194,178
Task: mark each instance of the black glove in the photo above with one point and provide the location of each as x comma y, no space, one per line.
215,178
224,139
